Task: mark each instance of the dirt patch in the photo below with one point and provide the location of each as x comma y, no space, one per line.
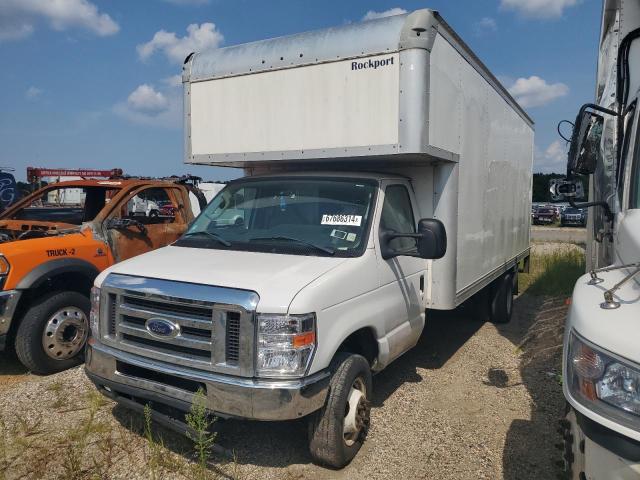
11,371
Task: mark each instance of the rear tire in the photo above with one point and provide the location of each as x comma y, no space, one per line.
338,430
502,299
41,321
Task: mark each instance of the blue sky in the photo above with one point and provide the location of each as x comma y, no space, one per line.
91,83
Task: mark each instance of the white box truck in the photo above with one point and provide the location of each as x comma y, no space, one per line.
362,145
601,362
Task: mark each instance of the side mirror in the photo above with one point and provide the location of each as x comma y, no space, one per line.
431,241
125,223
562,188
584,150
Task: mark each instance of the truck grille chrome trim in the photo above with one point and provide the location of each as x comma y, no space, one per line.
209,328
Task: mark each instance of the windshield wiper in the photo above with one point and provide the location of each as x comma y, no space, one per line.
215,236
327,250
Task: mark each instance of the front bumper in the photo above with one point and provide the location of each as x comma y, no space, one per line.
8,303
573,221
600,453
119,374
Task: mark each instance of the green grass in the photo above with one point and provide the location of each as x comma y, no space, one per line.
553,273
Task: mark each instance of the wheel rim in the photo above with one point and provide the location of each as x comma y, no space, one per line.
356,415
65,333
509,303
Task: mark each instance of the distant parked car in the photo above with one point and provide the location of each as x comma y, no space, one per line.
574,217
167,209
544,216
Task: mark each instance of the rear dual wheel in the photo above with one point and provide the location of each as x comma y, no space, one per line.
501,304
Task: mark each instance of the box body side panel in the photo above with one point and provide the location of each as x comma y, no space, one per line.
495,144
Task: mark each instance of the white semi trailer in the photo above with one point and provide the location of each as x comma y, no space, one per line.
387,172
601,356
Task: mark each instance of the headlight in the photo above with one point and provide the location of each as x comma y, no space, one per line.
95,311
603,383
4,266
285,344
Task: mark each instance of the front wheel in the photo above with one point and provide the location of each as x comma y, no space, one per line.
338,430
52,333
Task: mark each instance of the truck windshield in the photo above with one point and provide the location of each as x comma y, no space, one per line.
296,216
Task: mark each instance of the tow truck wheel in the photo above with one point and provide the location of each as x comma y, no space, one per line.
52,333
337,431
502,299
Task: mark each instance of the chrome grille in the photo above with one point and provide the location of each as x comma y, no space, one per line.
232,338
111,318
193,343
212,333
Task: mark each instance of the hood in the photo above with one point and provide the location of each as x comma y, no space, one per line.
12,230
614,330
276,278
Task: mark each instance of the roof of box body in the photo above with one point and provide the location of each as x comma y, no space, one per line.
388,34
347,41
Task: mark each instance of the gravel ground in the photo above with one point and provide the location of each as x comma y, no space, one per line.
472,401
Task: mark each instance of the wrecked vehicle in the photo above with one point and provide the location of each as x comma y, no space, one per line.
54,243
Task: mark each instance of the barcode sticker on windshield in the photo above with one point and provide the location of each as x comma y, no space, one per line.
352,220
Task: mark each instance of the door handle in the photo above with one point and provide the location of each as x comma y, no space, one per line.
421,283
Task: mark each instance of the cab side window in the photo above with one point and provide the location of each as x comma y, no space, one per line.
397,215
150,206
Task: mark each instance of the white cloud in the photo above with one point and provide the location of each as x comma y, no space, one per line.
150,107
146,99
545,9
371,15
198,38
485,24
18,17
173,80
188,2
33,93
536,92
552,160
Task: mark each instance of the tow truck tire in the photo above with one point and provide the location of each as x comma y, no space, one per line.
502,299
330,443
35,322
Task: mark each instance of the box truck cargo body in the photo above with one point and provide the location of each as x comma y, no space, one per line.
387,172
403,95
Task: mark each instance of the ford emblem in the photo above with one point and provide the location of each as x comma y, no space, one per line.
161,328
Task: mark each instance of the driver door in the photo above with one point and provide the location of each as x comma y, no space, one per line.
161,229
402,278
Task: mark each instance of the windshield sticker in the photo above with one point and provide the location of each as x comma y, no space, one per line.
351,237
339,234
351,220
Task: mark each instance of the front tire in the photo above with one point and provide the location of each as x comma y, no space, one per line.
338,430
52,333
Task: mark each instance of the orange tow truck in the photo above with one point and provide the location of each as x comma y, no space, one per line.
54,242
